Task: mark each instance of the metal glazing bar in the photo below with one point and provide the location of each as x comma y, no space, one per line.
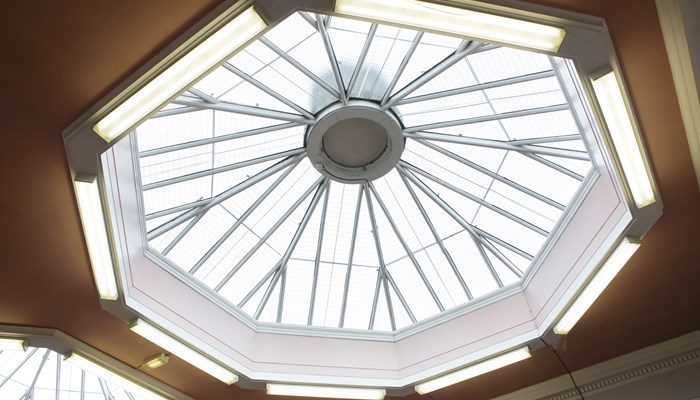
548,139
406,248
242,219
476,237
177,209
225,168
436,236
402,300
389,305
182,234
331,57
174,111
464,49
492,174
380,255
361,59
20,365
30,390
489,265
402,66
224,196
129,396
298,66
554,166
505,244
506,261
269,233
105,390
477,87
375,301
268,90
498,144
203,96
319,247
308,18
243,109
259,285
280,300
475,199
268,291
217,139
344,304
486,118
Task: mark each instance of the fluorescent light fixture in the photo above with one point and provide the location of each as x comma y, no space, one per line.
456,21
112,377
12,344
180,74
332,392
156,361
612,265
183,351
607,90
88,195
471,371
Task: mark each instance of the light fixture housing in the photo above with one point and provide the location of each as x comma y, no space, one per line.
88,193
90,366
11,344
473,370
156,361
612,265
457,21
176,78
333,392
184,351
619,122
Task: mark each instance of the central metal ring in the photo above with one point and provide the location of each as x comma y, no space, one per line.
355,143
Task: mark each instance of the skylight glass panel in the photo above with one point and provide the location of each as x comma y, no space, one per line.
491,157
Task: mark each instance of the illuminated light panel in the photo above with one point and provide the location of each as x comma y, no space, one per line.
474,370
619,124
457,21
181,74
88,195
112,377
156,361
333,392
12,344
183,351
614,263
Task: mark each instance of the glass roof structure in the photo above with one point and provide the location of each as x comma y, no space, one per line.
489,157
40,373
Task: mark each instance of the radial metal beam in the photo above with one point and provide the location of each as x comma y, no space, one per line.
182,234
242,219
269,233
406,248
477,87
283,286
29,394
203,96
464,49
506,261
554,166
17,368
319,248
377,242
492,174
268,90
243,109
225,168
217,139
259,285
323,30
105,389
361,59
58,377
437,238
475,199
299,66
224,196
473,232
504,244
498,144
402,67
174,111
344,304
486,118
177,209
546,139
308,18
268,291
375,301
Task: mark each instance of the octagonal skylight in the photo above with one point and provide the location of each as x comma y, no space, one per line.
442,170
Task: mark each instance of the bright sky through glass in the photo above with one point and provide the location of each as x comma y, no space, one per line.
493,156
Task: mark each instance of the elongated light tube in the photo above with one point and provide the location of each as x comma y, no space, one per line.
183,351
477,25
333,392
12,344
471,371
619,124
112,377
612,265
181,74
88,195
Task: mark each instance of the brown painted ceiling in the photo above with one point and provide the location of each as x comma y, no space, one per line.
57,58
